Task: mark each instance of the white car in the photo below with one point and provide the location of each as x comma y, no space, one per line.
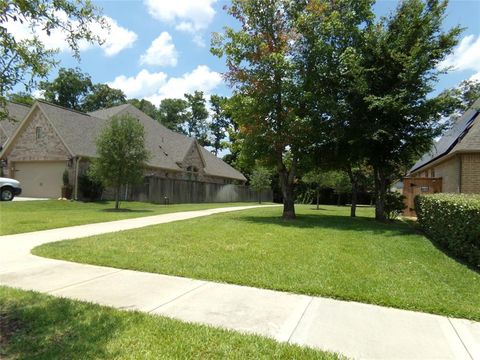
9,188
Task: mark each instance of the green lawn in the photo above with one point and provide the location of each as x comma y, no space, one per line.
36,326
322,253
26,216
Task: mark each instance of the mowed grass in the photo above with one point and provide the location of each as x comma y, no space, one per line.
36,326
26,216
323,253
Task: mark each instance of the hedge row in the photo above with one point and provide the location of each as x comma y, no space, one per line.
452,221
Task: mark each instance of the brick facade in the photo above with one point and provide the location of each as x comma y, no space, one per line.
46,146
471,173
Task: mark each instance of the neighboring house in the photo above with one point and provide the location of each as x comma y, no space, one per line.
51,139
453,164
15,114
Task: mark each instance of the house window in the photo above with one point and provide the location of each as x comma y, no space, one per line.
38,133
432,173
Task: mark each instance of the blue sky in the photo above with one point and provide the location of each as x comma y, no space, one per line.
160,48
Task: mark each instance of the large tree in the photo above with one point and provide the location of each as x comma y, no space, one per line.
462,96
394,70
145,106
219,123
196,125
23,60
69,89
259,57
102,96
173,113
121,154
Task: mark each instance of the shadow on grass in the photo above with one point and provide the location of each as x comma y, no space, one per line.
346,223
55,329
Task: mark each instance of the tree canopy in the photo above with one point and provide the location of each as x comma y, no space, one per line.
121,154
24,60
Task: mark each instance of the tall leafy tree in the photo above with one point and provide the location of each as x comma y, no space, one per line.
69,89
196,125
260,180
121,154
22,61
462,97
173,113
394,70
102,96
259,56
146,107
219,124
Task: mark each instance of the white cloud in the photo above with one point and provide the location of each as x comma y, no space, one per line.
157,86
116,38
162,52
466,56
191,16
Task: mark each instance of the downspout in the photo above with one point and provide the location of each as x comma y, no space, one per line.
77,166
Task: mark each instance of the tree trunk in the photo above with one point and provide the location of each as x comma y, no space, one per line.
318,199
380,191
117,197
259,197
338,199
287,185
354,182
353,206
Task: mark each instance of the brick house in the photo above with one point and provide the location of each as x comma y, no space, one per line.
453,164
49,139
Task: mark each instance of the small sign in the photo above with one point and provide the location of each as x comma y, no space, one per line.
424,188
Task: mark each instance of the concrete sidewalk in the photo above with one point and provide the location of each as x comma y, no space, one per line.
354,329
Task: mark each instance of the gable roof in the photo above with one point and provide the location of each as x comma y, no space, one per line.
15,114
167,149
463,136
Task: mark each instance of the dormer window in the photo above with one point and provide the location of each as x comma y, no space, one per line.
38,133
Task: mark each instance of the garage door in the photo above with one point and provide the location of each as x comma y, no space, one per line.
40,179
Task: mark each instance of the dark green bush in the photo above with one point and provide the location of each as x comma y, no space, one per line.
453,222
394,205
89,187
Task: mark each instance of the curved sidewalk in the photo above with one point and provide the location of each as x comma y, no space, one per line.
353,329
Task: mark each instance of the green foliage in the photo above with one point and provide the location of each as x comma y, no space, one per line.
173,113
69,89
260,180
196,125
121,153
90,187
22,61
146,107
219,124
65,178
453,222
394,205
102,96
21,98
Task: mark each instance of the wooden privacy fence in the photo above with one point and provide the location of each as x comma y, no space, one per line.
173,191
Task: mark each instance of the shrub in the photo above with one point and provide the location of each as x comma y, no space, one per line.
65,178
89,187
453,222
394,205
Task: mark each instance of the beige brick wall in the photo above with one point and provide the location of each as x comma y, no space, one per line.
471,173
48,147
